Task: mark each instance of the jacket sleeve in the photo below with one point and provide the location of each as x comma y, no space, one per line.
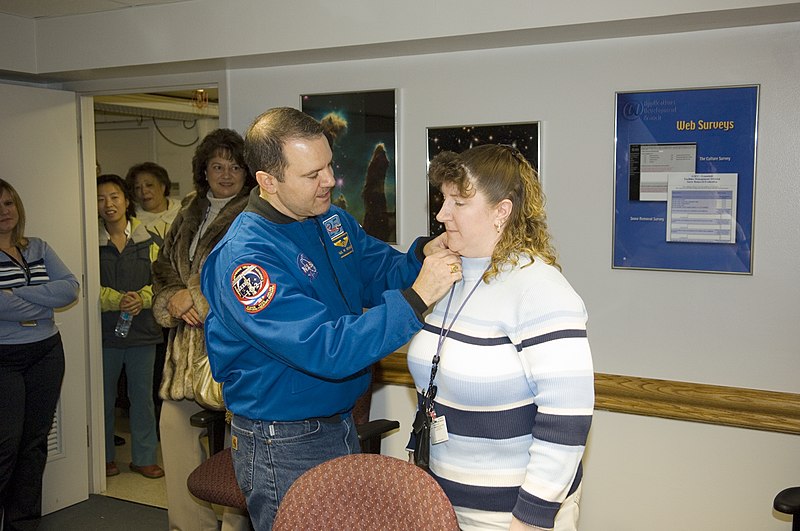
146,291
166,277
109,299
146,294
287,322
383,268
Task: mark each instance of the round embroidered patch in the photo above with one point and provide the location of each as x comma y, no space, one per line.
252,287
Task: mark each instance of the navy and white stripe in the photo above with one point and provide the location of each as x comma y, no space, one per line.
32,297
516,386
13,275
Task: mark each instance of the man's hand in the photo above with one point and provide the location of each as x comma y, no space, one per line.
440,270
439,243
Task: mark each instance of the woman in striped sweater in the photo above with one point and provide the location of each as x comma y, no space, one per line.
511,390
34,282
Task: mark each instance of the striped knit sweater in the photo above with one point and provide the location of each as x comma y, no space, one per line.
51,285
515,384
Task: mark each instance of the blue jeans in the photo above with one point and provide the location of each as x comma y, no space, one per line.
269,456
138,363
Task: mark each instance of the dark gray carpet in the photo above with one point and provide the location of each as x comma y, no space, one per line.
103,513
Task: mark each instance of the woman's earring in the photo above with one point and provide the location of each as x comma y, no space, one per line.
497,226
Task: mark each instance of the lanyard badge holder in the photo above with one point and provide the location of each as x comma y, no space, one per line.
429,428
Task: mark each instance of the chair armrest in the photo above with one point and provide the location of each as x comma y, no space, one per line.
788,501
370,434
202,419
214,422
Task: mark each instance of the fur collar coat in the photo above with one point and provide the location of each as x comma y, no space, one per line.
174,271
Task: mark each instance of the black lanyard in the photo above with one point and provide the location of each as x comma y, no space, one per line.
430,394
24,265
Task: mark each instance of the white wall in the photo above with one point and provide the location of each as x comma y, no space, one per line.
711,328
641,473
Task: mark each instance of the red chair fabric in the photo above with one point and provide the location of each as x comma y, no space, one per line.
215,481
365,492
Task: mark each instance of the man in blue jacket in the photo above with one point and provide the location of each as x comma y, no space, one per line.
287,332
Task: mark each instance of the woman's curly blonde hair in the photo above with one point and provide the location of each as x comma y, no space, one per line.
501,172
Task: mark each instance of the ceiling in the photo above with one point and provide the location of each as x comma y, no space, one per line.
63,8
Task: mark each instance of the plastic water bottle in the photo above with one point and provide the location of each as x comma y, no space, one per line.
123,324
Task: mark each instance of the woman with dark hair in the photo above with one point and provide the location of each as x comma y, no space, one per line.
33,283
150,186
222,185
126,253
502,367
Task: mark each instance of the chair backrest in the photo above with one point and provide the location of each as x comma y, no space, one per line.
215,481
365,492
364,403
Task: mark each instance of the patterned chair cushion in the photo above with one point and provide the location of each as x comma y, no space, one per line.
215,481
366,492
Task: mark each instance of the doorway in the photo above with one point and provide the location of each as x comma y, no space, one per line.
163,127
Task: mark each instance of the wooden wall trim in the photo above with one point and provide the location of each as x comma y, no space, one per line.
710,404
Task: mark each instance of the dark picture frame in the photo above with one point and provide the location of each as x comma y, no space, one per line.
363,126
524,136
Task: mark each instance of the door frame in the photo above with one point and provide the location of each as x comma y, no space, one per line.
95,402
95,399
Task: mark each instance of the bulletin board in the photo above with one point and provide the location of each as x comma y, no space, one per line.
684,189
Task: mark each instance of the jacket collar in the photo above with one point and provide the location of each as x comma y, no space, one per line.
262,207
134,231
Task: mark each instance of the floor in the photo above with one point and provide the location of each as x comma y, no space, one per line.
103,513
131,486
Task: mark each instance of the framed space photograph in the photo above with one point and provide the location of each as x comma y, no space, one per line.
523,136
363,128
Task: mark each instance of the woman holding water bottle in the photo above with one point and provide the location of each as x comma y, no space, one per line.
130,333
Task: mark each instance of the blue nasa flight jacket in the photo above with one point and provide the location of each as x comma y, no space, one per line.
286,330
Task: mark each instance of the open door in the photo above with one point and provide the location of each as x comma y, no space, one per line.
42,160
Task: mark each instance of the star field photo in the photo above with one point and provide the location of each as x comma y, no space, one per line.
523,136
361,126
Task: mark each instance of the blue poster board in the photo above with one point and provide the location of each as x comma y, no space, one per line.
685,179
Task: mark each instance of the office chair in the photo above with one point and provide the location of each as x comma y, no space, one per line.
214,480
788,502
365,492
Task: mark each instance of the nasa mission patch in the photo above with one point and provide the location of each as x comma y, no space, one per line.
252,287
307,266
